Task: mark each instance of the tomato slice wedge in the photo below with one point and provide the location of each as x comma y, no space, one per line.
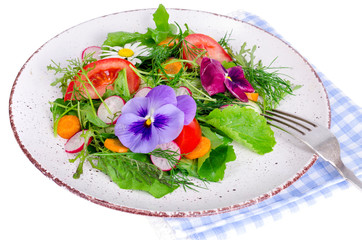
102,75
189,137
195,43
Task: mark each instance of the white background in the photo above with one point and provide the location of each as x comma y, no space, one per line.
327,33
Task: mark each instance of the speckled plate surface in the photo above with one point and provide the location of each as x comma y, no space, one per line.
250,179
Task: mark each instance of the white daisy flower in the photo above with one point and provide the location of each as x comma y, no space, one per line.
129,51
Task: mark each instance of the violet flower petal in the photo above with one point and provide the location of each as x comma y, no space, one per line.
168,122
236,90
237,76
132,132
148,121
160,96
137,106
188,106
212,76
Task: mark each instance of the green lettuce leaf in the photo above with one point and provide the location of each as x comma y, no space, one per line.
245,126
127,177
215,138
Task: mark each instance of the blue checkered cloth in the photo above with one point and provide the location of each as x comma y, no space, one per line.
320,180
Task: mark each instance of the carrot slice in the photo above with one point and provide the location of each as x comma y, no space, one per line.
201,149
68,125
252,96
172,67
169,41
115,145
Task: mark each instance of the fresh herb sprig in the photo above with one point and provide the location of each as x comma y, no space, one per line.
204,107
266,80
177,175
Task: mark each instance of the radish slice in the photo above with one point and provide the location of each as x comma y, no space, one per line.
143,92
115,105
93,49
183,91
225,106
163,163
76,143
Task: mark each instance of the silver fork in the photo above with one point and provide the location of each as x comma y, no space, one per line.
317,137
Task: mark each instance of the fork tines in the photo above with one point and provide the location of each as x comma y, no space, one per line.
287,119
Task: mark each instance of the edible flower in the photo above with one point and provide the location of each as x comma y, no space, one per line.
216,79
158,118
130,52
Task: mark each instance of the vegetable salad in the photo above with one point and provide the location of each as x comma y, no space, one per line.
156,110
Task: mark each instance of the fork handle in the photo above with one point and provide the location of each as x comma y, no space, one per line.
348,174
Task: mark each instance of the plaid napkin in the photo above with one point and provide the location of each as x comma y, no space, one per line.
320,180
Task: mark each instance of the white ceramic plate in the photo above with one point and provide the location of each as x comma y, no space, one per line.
250,179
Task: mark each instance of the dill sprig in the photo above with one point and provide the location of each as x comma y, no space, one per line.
224,41
204,107
177,175
269,85
265,79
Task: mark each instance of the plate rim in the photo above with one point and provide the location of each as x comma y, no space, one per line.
175,214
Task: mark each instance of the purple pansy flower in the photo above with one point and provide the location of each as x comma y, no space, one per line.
155,119
216,79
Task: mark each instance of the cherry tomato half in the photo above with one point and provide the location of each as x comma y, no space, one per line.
189,137
195,43
104,72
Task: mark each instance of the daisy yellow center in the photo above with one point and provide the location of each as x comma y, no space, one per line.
125,52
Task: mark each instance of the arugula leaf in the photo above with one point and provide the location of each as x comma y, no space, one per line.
120,87
161,32
160,17
60,107
163,28
245,126
121,84
88,114
128,176
121,38
213,166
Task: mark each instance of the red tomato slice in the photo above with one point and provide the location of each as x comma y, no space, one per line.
195,43
104,72
189,137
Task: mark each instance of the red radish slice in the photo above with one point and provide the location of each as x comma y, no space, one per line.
225,106
183,91
164,163
143,92
76,142
115,105
93,49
